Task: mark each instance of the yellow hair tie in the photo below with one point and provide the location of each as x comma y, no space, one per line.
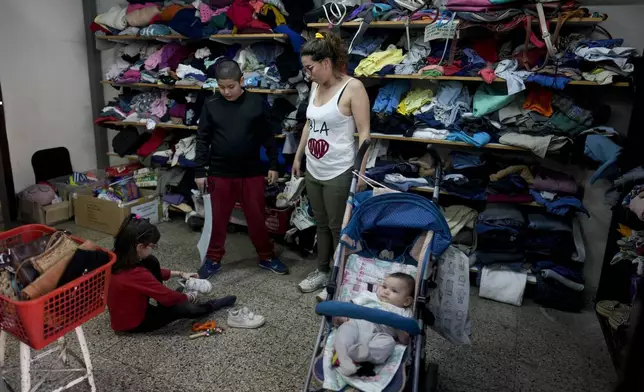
319,36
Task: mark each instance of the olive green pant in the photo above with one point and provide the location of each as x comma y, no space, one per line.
328,199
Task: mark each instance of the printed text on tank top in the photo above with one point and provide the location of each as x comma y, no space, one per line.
318,147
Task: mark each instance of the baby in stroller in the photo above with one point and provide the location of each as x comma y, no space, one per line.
360,341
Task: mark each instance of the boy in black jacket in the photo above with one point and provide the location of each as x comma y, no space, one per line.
232,127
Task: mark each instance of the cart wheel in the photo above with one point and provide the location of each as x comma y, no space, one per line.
429,383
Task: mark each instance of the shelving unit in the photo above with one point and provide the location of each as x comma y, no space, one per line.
489,146
159,125
418,24
478,79
180,87
216,37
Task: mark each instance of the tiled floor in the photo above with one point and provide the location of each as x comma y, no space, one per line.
514,349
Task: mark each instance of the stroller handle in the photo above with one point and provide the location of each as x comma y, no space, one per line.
361,153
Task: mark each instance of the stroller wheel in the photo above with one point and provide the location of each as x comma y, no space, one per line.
429,382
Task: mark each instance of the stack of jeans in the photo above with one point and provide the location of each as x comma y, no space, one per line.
500,230
549,237
549,245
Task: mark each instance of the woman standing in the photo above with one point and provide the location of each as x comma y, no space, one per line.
338,106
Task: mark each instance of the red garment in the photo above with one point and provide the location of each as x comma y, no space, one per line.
130,292
150,146
488,75
241,14
487,49
521,198
97,27
539,100
224,193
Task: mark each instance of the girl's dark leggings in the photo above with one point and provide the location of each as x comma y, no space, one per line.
160,316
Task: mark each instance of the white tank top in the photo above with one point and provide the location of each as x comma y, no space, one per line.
331,146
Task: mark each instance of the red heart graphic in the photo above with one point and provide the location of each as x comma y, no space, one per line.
318,147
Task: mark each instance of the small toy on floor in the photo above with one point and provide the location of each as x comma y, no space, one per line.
209,328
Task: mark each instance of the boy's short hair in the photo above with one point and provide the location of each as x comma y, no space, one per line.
409,281
228,69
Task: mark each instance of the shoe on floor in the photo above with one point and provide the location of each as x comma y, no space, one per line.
606,307
620,316
322,296
274,265
208,269
244,318
314,281
201,286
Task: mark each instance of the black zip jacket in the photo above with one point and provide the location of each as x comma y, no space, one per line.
230,135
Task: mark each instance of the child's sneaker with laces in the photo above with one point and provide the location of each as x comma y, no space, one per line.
201,286
244,318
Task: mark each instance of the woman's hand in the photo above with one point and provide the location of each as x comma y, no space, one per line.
297,171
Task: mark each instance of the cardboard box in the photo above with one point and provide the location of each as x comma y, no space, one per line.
31,212
66,191
106,216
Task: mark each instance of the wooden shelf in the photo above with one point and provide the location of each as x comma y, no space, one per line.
216,37
166,126
489,146
159,125
478,79
180,87
400,24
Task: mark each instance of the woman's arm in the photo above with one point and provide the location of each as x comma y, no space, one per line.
299,154
360,110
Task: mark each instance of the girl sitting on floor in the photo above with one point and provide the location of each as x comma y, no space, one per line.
138,276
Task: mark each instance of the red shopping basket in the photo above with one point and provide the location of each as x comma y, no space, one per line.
41,321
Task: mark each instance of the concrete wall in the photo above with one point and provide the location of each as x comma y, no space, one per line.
43,71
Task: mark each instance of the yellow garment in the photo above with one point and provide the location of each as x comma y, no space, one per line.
414,100
523,171
279,18
378,60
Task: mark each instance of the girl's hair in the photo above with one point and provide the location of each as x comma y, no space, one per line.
134,230
328,46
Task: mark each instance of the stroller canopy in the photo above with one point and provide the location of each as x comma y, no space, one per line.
398,210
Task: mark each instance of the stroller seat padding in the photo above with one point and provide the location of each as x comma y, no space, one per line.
395,385
351,310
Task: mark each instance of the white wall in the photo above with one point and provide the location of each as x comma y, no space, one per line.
45,86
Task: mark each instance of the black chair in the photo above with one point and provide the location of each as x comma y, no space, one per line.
51,163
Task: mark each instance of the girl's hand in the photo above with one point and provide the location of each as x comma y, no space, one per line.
188,275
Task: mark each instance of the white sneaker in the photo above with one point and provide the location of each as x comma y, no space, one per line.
322,296
201,286
244,318
315,281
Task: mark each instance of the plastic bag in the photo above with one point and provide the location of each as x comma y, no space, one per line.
204,241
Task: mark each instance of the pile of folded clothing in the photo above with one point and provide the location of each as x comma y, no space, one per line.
557,191
510,185
154,108
202,19
500,230
538,120
265,65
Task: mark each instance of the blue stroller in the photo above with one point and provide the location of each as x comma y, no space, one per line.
382,234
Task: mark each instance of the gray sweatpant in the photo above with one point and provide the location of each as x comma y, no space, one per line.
363,341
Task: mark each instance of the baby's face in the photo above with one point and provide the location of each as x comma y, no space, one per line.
394,291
